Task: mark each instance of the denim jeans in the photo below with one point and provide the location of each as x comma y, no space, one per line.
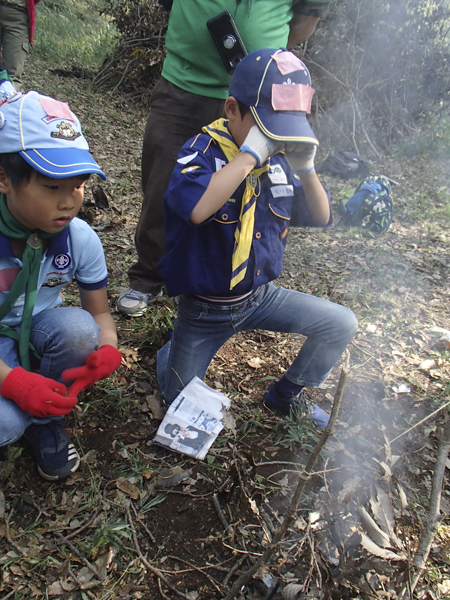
64,337
201,328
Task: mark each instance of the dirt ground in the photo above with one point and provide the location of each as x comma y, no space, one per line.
138,521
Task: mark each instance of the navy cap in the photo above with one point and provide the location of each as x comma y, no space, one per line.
277,86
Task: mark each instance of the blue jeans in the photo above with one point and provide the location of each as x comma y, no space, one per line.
202,328
64,337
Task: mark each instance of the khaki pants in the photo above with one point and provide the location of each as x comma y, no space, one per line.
14,40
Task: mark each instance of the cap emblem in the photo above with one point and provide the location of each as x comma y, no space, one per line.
65,132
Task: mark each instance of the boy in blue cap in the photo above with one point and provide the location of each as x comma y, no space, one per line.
44,164
227,213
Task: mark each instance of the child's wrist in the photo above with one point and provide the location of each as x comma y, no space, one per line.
308,171
249,151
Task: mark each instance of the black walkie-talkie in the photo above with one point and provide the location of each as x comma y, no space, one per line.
227,39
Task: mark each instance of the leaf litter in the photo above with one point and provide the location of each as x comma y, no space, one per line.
138,522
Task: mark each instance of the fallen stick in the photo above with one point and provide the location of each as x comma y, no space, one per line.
304,478
78,554
433,519
413,427
150,567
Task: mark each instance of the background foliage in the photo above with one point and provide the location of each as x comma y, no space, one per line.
381,73
380,67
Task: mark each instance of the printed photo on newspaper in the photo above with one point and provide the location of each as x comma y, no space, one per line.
193,420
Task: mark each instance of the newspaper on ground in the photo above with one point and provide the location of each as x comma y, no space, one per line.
193,420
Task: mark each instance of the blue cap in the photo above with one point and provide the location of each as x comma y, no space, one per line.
46,133
276,85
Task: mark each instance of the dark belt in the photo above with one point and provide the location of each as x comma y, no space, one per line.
234,304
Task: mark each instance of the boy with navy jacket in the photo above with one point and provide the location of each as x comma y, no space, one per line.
44,164
227,213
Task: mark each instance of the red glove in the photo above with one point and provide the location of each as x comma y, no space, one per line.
99,365
38,395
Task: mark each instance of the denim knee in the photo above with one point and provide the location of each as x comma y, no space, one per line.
13,421
349,324
64,337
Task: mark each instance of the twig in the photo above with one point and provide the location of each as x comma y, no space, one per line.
266,518
148,566
413,427
83,527
161,591
233,570
304,477
9,594
432,520
361,122
82,586
200,570
143,525
9,539
238,551
392,180
222,518
78,554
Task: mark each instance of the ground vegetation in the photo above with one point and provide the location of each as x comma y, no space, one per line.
139,522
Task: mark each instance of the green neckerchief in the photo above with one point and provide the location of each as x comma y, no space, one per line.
4,76
26,279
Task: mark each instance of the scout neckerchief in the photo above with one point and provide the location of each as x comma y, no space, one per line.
243,235
27,279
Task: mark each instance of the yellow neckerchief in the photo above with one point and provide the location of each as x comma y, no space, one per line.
243,234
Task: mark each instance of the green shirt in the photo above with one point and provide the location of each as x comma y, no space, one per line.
193,62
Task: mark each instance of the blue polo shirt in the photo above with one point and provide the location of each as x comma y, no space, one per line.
76,252
198,258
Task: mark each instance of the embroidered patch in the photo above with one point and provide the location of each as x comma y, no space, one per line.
65,132
53,282
220,164
61,261
189,169
187,159
280,191
284,233
276,174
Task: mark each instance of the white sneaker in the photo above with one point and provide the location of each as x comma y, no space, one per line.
134,304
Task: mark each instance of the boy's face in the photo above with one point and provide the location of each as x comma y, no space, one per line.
45,203
238,125
241,127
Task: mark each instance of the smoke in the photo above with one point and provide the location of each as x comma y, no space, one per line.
381,73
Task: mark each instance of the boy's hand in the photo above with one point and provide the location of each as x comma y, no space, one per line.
260,146
99,365
301,157
37,395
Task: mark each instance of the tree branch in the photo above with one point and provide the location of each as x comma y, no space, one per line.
304,478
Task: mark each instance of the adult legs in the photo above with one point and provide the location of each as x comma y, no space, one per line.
14,40
175,116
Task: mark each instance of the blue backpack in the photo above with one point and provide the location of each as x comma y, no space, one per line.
370,207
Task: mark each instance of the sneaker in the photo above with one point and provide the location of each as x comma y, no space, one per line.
55,454
134,304
296,404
